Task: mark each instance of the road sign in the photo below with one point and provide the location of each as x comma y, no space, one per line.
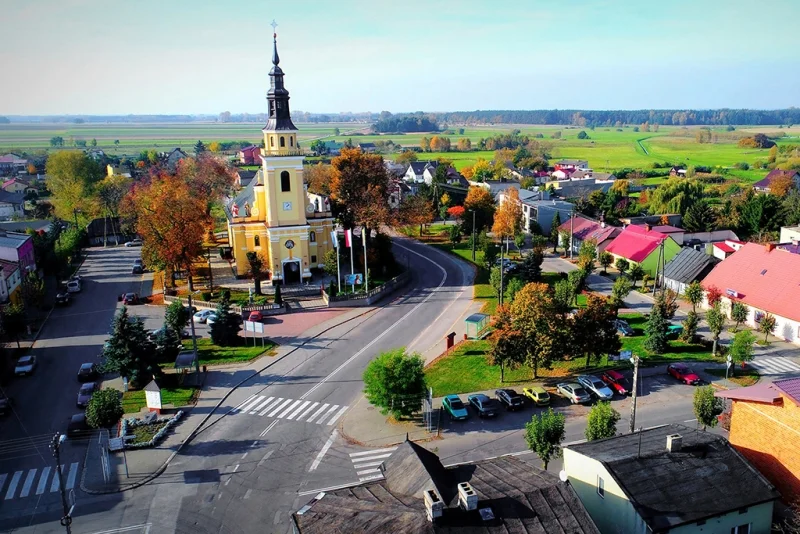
354,279
728,364
625,354
730,359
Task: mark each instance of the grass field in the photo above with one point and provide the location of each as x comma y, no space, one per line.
211,354
171,393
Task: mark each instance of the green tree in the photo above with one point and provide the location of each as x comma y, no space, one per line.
531,268
331,266
56,141
257,268
619,291
33,289
587,255
565,236
676,195
583,135
594,331
318,147
71,178
495,279
199,148
544,435
168,345
490,252
563,296
636,273
14,321
94,142
577,279
519,241
716,323
739,313
667,301
690,327
129,352
225,328
742,347
656,332
694,294
706,406
394,382
622,265
177,316
512,288
602,422
767,325
605,260
700,217
104,408
454,234
554,230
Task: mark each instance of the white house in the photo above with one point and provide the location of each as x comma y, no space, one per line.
11,205
416,170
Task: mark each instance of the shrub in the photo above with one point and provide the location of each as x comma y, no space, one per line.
104,408
205,296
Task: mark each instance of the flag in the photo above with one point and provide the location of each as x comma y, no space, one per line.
335,239
348,238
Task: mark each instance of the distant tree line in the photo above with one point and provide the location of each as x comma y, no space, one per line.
405,123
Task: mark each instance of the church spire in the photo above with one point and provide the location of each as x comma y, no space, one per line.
275,58
278,95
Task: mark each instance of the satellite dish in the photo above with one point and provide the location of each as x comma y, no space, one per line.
562,475
310,208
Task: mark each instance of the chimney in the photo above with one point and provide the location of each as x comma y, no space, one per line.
770,247
434,506
674,442
647,227
467,498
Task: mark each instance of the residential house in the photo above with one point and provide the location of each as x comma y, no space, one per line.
12,163
18,185
10,282
579,188
22,227
104,231
172,158
562,174
11,205
571,164
496,187
243,178
17,248
790,234
367,148
699,240
583,229
673,231
766,279
762,186
723,249
416,170
677,172
250,155
332,148
643,246
688,266
418,495
542,212
589,174
765,429
397,191
96,154
453,177
672,479
673,219
118,170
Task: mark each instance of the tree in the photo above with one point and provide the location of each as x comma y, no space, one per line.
667,302
577,279
622,265
508,218
71,177
587,254
104,408
656,332
713,295
519,241
94,142
318,147
565,236
425,144
278,298
394,382
129,352
464,144
336,131
456,212
594,329
676,195
583,135
480,201
706,406
544,435
531,267
495,279
14,322
258,268
331,266
781,185
177,316
56,141
767,325
359,190
601,422
406,157
225,328
508,350
699,217
33,289
199,148
168,345
318,178
512,288
694,294
490,252
690,327
554,230
605,260
563,296
547,337
454,234
742,347
739,313
416,210
758,214
716,323
636,273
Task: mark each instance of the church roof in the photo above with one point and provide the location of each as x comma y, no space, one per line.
246,196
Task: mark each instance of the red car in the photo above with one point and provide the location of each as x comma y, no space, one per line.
255,316
617,382
683,373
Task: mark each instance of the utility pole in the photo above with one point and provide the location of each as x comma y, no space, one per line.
571,231
635,361
502,268
55,444
194,337
473,235
366,271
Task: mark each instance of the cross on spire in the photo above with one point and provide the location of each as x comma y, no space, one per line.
274,25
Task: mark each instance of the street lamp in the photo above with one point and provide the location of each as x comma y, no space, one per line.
635,361
75,212
194,337
473,235
55,446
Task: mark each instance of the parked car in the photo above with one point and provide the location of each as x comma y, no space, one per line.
616,381
596,387
139,262
255,316
537,394
130,298
674,331
134,243
455,408
683,373
6,403
74,286
510,398
623,328
77,426
485,406
85,394
63,298
137,269
202,316
88,372
25,366
574,392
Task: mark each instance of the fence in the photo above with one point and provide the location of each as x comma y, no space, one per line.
369,297
265,309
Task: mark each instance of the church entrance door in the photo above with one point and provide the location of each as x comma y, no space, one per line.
291,272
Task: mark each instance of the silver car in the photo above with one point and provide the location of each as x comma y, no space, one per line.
596,387
25,365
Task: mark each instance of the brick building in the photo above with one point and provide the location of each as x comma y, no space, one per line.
765,428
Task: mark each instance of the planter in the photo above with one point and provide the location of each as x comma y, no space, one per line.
131,423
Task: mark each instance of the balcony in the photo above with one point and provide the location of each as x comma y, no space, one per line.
272,152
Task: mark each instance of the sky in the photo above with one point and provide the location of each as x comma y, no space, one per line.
189,57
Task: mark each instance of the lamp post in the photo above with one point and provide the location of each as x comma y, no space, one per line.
635,362
55,444
75,212
473,235
194,337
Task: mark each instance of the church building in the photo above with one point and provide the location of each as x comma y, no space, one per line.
274,215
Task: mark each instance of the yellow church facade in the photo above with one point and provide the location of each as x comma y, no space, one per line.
274,215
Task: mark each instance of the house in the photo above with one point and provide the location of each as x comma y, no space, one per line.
332,148
542,212
762,186
723,249
250,155
766,279
10,282
418,495
571,164
688,266
12,162
453,177
118,170
589,174
104,231
677,172
670,478
22,227
496,187
397,191
243,177
643,246
367,148
673,219
172,158
18,185
579,188
765,429
416,170
790,234
583,229
673,231
562,174
11,205
96,154
17,248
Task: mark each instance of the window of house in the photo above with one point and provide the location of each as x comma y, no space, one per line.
391,199
601,490
313,259
291,141
758,316
286,181
257,241
283,141
271,141
312,237
741,529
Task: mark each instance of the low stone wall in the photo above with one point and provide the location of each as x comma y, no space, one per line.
369,298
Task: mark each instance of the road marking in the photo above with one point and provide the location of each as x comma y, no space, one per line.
244,456
265,458
272,424
255,444
54,485
311,419
26,488
324,450
251,404
392,327
271,406
376,451
329,488
337,416
368,464
73,472
257,408
368,471
307,410
3,480
12,486
371,477
42,480
297,411
690,421
373,457
236,468
289,409
143,529
247,494
279,408
245,402
322,419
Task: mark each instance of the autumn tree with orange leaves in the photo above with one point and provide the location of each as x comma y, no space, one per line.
481,201
782,184
416,210
508,219
359,189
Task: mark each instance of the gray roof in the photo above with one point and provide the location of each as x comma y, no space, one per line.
13,239
707,477
688,265
245,176
11,198
22,226
522,499
245,196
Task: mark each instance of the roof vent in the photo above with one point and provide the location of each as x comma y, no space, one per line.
674,442
763,272
467,498
434,506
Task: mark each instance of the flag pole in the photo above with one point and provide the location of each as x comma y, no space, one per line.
352,265
335,237
366,272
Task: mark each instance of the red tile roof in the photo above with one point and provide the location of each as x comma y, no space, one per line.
635,243
767,280
724,247
587,229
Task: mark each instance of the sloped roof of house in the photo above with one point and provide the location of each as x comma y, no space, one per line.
419,166
249,148
705,478
688,265
765,182
571,162
588,230
724,247
635,243
11,198
764,279
769,392
366,145
8,268
791,387
665,229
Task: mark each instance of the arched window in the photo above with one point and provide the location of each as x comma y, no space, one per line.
271,141
286,181
257,241
283,141
291,141
312,237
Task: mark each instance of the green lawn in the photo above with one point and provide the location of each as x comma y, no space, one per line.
171,393
678,349
211,354
743,378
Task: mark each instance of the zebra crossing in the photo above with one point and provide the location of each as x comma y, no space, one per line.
291,410
368,463
29,486
775,366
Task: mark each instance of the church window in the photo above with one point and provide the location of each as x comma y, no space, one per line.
312,237
257,241
286,181
313,259
291,141
272,108
283,141
271,141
